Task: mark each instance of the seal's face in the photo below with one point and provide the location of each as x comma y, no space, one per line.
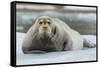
44,25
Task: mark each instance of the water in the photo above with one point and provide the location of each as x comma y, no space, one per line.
85,23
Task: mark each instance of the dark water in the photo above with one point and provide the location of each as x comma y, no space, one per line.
85,23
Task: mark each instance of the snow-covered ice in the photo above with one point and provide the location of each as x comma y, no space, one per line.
86,54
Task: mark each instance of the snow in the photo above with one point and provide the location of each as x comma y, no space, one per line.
86,54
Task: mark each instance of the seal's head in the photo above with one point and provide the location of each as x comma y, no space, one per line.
45,26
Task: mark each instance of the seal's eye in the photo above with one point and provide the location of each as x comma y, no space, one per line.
40,22
48,22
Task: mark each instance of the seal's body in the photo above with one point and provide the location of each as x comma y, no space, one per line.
50,34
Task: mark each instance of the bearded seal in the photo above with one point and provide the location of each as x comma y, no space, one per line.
51,34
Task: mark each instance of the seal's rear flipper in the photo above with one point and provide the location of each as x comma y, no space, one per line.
88,43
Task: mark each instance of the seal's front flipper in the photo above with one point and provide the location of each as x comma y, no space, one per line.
34,52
